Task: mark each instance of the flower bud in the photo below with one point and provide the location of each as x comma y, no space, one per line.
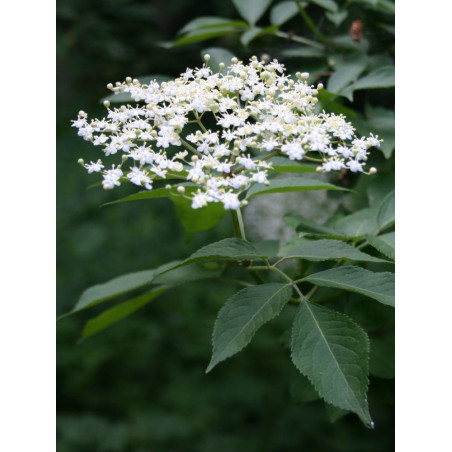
373,170
168,186
110,86
234,60
206,57
81,162
181,190
106,103
128,79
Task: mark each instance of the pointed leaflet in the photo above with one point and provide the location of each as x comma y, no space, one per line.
384,243
332,351
131,281
379,286
322,250
117,313
242,315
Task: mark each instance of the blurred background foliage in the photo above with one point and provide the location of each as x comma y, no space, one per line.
140,385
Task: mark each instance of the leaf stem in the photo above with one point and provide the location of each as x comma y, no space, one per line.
301,40
237,224
308,21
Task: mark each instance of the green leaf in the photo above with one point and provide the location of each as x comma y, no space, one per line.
249,35
232,249
242,315
302,52
384,243
116,286
383,77
386,212
382,357
322,250
334,413
290,184
251,10
203,34
268,248
348,73
332,351
337,18
283,12
284,165
330,5
379,286
218,55
198,220
149,194
117,313
301,388
211,22
183,275
358,224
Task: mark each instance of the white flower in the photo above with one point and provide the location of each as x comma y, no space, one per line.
257,109
354,166
94,167
230,201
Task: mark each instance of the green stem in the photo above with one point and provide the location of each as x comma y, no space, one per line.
191,148
282,34
310,23
237,224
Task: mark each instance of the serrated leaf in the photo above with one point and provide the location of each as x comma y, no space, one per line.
330,5
325,249
386,212
211,22
283,12
379,286
290,184
251,10
242,315
218,55
117,313
301,389
384,243
332,351
232,249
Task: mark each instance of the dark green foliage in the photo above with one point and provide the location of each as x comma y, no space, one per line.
140,384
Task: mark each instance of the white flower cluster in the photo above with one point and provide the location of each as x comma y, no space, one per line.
255,111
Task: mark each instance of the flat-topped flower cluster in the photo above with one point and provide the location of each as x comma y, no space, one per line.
254,112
